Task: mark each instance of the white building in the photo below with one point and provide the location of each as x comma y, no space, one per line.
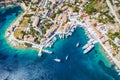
23,6
35,21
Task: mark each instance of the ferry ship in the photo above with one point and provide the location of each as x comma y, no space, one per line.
88,49
57,60
88,44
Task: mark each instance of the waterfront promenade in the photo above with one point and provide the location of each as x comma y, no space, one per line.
108,51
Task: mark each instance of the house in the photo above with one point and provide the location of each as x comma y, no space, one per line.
54,1
64,8
117,41
66,27
70,10
51,30
35,21
99,34
34,1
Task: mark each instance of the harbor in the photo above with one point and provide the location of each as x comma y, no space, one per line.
26,62
66,45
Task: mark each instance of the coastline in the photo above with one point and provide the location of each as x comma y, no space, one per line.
110,57
11,6
106,52
22,46
7,33
22,62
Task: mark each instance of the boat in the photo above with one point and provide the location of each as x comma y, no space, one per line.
118,73
72,30
77,45
88,49
47,51
86,45
67,57
57,60
70,33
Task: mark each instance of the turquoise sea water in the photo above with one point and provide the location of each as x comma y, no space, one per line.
18,64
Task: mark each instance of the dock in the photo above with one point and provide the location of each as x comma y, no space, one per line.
40,51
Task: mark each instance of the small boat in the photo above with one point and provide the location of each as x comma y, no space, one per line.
118,73
57,60
77,45
70,33
67,57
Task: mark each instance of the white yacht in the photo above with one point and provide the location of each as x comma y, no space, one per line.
67,57
47,51
57,60
72,30
77,45
88,44
70,33
118,73
88,49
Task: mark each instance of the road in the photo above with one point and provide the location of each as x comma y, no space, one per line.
112,11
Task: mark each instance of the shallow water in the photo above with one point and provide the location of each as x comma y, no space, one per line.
18,64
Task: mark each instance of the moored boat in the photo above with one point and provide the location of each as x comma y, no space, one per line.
88,49
86,45
47,51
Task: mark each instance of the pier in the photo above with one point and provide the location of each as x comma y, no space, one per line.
40,51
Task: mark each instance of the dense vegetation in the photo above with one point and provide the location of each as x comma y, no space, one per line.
114,45
105,18
89,8
27,15
113,35
76,9
119,12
